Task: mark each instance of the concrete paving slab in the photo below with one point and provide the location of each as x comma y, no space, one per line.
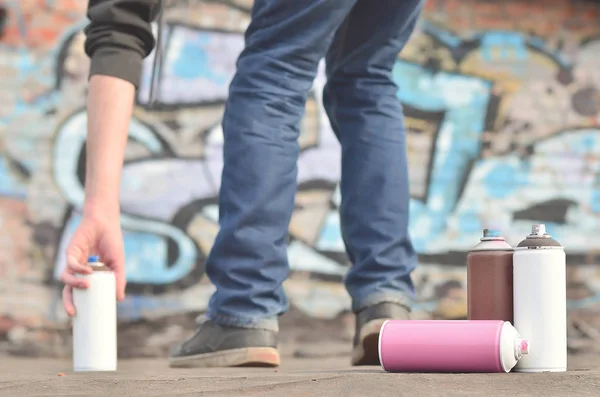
327,377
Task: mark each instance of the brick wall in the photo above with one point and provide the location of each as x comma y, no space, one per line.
503,111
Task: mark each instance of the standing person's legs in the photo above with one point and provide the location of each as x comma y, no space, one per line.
365,112
248,262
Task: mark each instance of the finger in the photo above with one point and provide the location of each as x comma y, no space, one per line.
121,283
118,266
73,281
75,266
67,295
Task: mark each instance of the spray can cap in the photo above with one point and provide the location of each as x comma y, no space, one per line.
492,240
538,238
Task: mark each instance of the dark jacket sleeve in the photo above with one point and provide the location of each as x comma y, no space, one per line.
119,36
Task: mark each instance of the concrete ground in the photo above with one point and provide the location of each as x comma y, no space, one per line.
296,378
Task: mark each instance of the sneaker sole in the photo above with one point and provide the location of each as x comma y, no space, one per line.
367,350
243,357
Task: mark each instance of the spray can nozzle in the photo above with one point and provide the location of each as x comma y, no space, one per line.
521,348
491,233
94,261
538,230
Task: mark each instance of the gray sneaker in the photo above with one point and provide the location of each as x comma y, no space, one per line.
368,324
215,345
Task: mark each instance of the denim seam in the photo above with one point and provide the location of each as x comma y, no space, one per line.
341,47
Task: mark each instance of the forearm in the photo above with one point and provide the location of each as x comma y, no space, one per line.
118,38
109,107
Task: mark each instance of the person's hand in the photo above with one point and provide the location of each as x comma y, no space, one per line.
95,235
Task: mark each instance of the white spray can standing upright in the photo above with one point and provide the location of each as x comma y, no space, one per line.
540,301
95,321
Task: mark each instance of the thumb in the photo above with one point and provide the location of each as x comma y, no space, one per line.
76,253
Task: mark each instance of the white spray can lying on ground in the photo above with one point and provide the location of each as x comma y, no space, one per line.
540,301
95,321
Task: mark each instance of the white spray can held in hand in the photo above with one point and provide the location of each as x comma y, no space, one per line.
540,301
95,321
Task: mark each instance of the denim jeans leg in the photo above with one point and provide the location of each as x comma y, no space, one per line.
248,262
361,101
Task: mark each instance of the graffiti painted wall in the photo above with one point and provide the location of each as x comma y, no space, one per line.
503,114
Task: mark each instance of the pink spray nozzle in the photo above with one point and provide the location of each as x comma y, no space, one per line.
524,347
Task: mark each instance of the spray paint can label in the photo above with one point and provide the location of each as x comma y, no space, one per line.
490,279
95,321
450,346
540,300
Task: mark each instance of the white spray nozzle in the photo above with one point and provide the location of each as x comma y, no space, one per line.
538,230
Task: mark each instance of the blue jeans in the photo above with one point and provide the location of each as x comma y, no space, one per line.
360,40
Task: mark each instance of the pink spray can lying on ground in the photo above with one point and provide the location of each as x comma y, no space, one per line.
450,346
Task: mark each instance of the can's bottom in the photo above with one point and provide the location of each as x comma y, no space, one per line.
93,369
534,370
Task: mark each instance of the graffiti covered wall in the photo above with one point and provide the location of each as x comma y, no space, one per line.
503,114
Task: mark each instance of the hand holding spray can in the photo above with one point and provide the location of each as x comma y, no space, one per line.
540,301
450,346
95,321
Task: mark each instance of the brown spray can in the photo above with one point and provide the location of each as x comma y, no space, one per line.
490,279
